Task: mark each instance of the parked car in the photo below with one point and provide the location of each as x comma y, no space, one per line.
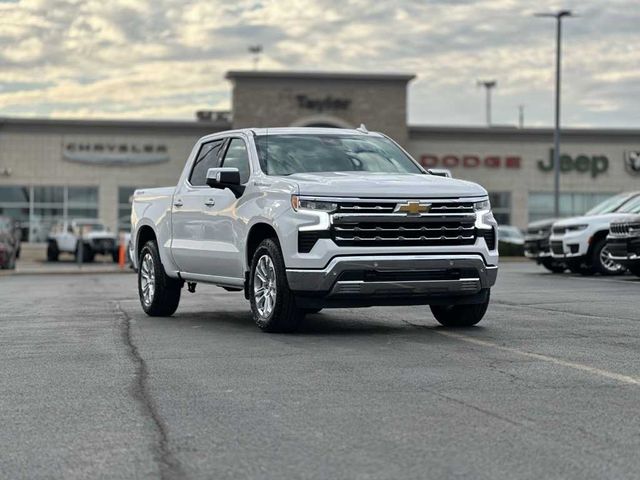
81,237
537,240
623,243
510,241
9,243
536,246
302,219
582,241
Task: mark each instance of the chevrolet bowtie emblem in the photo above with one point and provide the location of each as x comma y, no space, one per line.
413,208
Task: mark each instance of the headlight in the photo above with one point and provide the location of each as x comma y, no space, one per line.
483,205
576,228
300,203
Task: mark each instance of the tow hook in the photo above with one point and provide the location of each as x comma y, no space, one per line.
191,286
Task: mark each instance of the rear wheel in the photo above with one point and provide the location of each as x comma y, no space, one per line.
601,261
159,293
273,304
460,315
52,251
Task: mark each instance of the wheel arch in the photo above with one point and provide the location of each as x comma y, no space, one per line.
595,238
257,233
145,234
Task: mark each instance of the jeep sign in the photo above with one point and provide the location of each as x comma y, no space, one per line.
595,164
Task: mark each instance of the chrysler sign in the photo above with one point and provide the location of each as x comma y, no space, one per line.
114,152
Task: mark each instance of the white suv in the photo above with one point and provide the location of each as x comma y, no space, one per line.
81,237
582,241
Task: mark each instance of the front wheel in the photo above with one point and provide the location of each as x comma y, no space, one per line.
273,304
457,316
601,261
52,251
159,293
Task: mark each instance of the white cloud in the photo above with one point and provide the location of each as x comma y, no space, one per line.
167,58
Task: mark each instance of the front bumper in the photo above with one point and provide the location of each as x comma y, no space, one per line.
624,250
537,247
569,246
385,279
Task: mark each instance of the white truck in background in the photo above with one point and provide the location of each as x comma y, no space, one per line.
302,219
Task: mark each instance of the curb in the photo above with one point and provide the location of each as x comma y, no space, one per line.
11,273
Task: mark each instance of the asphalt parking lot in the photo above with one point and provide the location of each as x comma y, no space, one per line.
547,386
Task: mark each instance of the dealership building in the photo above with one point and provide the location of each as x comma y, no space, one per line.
52,169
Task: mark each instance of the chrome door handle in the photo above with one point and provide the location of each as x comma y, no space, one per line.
210,202
178,203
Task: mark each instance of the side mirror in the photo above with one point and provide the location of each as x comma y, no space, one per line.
225,177
440,172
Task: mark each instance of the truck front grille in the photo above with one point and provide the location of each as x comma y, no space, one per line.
386,206
410,232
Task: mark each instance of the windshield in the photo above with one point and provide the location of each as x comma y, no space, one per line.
288,154
632,206
610,204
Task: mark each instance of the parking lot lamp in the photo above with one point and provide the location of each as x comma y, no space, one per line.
559,15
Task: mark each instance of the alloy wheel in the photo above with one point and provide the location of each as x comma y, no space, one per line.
147,279
609,264
264,286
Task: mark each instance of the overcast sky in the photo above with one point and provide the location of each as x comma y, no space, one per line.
167,58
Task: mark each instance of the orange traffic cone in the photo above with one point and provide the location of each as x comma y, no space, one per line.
121,253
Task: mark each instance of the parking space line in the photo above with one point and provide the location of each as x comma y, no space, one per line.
545,358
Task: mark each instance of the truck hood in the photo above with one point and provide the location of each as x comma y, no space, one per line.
383,185
592,219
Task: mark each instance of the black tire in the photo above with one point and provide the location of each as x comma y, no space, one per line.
635,269
580,268
457,316
553,266
165,298
599,264
52,251
311,311
88,255
18,252
284,315
115,255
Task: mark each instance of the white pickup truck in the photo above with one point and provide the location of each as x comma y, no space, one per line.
302,219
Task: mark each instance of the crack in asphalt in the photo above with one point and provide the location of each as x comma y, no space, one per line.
168,465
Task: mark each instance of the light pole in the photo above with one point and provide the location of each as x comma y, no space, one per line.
255,50
559,15
488,85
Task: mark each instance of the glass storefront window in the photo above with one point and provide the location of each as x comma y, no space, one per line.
42,194
82,196
501,207
39,207
541,204
14,194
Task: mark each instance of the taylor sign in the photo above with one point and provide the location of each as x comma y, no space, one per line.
114,152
